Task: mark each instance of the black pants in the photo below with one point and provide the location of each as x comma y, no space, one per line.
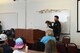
57,36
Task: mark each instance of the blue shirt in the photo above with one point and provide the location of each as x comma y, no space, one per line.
45,39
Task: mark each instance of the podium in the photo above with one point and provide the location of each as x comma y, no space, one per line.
31,35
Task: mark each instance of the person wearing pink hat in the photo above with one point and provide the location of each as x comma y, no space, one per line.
20,46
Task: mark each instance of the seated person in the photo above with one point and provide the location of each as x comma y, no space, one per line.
11,41
20,46
49,36
3,44
50,47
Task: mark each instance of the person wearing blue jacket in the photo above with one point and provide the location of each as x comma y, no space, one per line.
49,36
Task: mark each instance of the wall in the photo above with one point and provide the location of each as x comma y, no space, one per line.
9,6
7,20
33,5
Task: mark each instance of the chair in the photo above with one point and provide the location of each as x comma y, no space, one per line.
66,40
72,48
61,47
38,46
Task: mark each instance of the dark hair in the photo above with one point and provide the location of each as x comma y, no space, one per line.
24,41
12,29
56,16
0,21
1,42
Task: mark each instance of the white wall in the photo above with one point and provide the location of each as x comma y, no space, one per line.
9,20
14,7
34,5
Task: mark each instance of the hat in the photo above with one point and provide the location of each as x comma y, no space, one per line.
3,37
19,43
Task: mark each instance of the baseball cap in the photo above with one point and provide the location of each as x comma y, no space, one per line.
3,37
19,43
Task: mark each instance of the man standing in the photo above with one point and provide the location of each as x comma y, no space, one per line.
56,26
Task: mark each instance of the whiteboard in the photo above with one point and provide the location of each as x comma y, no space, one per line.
64,18
8,20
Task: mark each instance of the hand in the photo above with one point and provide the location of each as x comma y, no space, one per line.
57,36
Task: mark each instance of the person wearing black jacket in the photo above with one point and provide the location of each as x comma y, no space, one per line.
56,26
4,44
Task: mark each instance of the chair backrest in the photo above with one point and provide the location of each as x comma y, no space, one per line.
72,48
61,47
1,50
38,46
66,39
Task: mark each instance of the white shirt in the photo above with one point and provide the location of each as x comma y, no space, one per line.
18,51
